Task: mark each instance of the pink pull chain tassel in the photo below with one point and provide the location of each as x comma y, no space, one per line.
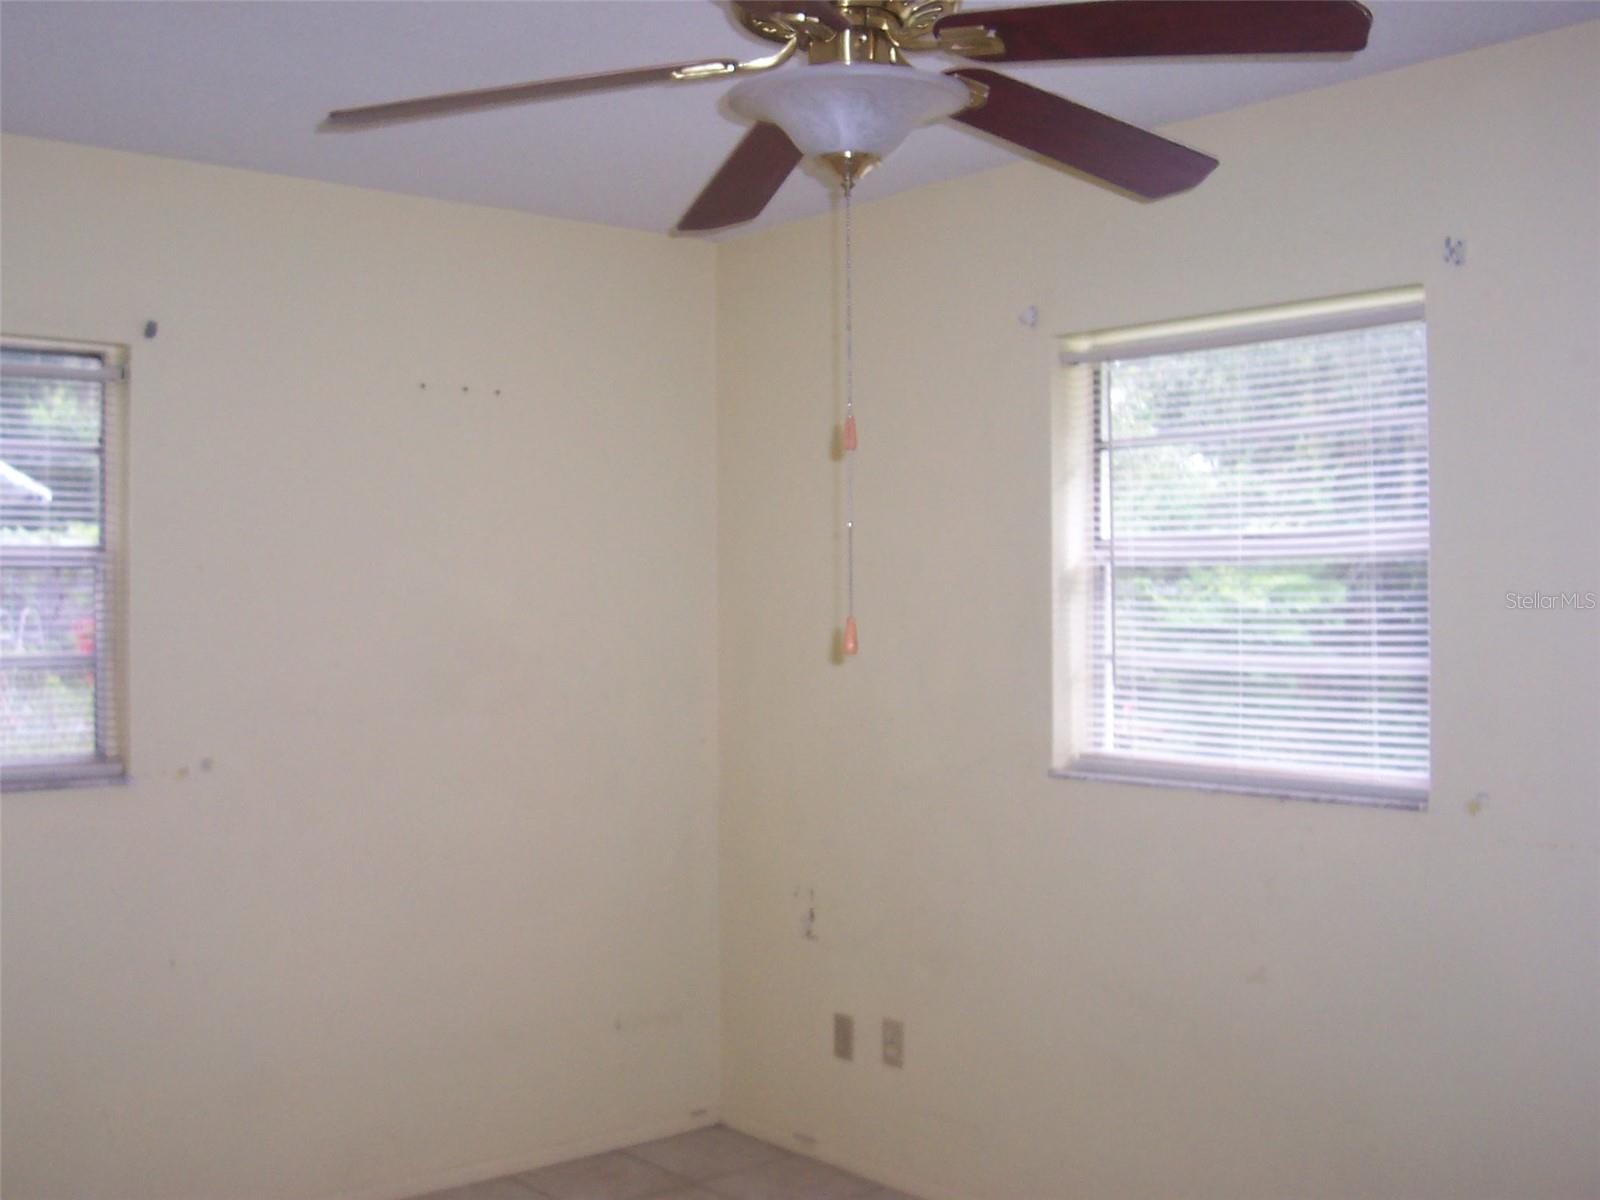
850,432
851,645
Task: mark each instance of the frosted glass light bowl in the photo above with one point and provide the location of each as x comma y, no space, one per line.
866,108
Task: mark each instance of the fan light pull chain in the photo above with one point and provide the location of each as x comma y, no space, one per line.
851,643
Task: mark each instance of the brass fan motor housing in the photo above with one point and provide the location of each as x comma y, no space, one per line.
879,31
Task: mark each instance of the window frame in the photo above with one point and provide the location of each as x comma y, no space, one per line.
108,766
1075,476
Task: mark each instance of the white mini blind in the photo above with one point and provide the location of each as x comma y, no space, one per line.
1254,552
60,627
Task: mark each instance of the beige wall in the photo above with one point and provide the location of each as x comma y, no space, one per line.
445,904
1125,992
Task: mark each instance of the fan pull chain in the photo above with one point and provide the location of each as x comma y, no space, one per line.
851,642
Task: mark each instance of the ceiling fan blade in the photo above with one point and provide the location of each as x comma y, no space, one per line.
821,11
1092,142
495,97
744,183
1154,28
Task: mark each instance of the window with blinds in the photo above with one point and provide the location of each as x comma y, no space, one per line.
60,627
1242,521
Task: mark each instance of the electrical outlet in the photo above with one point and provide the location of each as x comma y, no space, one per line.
894,1042
844,1036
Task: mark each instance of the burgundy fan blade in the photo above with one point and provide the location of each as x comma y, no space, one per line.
516,93
742,186
1125,155
1152,28
818,10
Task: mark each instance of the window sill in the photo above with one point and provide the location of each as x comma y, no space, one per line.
1272,788
51,779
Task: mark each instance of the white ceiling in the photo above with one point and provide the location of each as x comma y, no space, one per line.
245,84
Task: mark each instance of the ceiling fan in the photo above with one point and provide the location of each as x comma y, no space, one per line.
859,97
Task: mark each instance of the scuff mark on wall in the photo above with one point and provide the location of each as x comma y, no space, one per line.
808,918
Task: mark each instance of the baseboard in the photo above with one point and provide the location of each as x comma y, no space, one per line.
438,1181
884,1176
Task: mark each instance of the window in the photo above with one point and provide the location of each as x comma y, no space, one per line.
60,625
1242,552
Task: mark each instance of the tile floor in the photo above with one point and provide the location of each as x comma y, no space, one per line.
708,1164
